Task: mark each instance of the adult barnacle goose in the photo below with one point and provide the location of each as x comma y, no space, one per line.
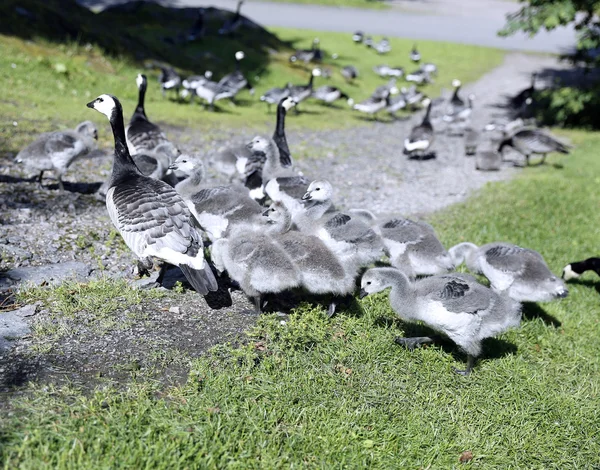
236,81
152,218
421,137
169,80
142,134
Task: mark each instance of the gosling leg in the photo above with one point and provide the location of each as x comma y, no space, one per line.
469,368
412,343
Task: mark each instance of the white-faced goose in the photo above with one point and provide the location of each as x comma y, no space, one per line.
141,133
236,81
419,77
521,272
487,158
415,55
421,137
357,37
275,95
385,71
169,80
150,215
519,99
349,72
56,151
383,46
373,105
328,94
301,92
307,55
455,305
531,141
577,268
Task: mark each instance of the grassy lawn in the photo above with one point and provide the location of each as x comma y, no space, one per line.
45,87
339,394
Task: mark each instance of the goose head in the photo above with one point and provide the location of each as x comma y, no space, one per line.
185,165
276,213
239,55
318,191
456,83
373,281
288,103
105,104
316,72
569,273
555,287
316,41
208,74
141,81
258,144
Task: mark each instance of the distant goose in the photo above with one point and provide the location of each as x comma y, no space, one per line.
349,72
383,91
358,36
413,96
198,29
302,92
320,270
233,23
396,104
420,77
236,81
576,269
532,141
421,137
386,71
275,95
328,94
414,248
141,133
372,105
415,56
429,68
256,262
308,55
152,218
471,141
455,305
383,46
279,137
460,114
211,92
456,104
56,151
169,80
368,41
521,272
219,208
191,82
519,99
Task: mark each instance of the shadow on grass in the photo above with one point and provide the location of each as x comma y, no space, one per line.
531,311
586,283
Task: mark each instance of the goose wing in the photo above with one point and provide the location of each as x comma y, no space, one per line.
402,231
421,133
155,222
539,142
457,293
144,135
60,142
507,258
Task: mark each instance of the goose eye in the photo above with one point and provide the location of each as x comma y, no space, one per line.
368,283
318,189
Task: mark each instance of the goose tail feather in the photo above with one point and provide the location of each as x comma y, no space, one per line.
202,280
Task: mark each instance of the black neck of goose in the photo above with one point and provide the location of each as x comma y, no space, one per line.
139,109
590,264
239,7
505,143
280,139
455,95
237,64
123,164
427,113
310,81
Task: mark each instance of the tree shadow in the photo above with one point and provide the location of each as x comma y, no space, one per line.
532,310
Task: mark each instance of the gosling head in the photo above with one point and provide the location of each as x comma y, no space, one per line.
555,287
373,281
258,144
184,164
239,55
107,105
87,128
275,213
318,191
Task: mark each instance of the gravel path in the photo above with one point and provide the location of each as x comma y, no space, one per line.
41,227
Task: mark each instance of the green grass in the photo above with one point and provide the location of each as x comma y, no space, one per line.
338,393
46,87
375,4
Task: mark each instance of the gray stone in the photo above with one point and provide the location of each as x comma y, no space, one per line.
50,273
12,327
174,310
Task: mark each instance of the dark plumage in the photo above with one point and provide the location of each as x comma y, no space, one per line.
421,136
532,141
577,268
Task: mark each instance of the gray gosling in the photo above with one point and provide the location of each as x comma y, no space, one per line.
453,304
321,271
218,208
414,248
56,151
521,272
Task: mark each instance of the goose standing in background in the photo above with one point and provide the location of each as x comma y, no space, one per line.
455,305
301,92
236,81
307,55
152,218
396,104
56,151
456,104
198,29
349,72
383,46
233,23
279,137
414,248
328,94
357,37
373,105
420,77
577,268
531,141
386,71
488,158
520,98
521,272
383,91
169,80
141,134
421,137
429,68
415,56
275,95
211,92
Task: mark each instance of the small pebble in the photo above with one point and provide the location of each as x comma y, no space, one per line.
174,310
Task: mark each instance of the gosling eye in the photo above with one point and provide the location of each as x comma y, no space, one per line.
368,283
317,189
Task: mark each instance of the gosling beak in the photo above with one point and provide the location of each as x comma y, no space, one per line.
363,293
249,146
307,196
266,213
173,166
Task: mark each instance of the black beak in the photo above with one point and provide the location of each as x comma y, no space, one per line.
363,293
306,197
562,294
91,104
249,146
